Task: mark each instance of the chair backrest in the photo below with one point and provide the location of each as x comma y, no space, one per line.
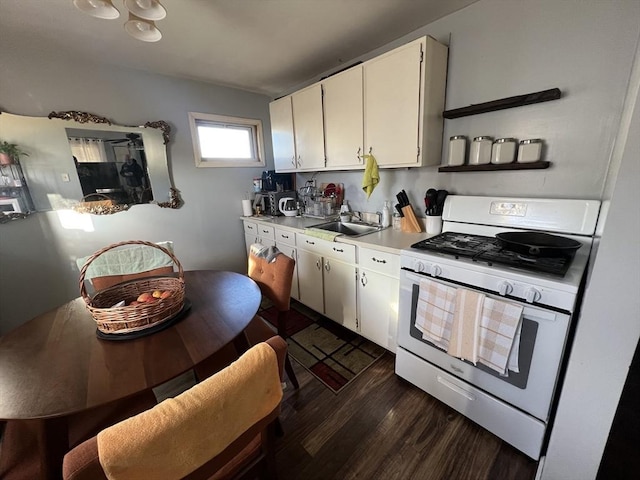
274,278
201,432
123,264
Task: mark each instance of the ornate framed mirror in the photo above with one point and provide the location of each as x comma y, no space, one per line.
85,162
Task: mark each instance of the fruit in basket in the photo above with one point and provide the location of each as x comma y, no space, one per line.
166,294
135,302
157,293
144,297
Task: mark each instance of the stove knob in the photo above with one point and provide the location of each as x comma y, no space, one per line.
505,288
418,266
532,295
435,271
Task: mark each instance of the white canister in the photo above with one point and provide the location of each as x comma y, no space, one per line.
457,150
503,150
530,150
480,153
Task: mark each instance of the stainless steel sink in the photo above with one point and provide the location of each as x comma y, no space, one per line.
349,229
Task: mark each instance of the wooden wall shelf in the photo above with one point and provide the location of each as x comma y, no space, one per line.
492,167
504,103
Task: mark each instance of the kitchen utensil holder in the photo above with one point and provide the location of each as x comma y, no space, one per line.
132,318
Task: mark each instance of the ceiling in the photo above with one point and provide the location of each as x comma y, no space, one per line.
263,46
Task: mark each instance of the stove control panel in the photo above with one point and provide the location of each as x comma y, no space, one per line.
508,284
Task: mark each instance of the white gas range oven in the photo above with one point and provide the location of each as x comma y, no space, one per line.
515,406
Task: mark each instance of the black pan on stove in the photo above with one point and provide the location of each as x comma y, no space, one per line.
538,243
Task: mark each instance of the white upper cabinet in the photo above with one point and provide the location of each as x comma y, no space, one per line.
390,106
284,152
343,127
308,128
403,103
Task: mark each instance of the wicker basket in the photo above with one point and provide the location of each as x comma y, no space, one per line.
133,318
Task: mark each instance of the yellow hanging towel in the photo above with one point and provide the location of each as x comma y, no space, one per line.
371,176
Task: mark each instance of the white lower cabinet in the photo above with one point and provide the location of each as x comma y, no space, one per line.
286,243
378,293
258,233
327,279
310,280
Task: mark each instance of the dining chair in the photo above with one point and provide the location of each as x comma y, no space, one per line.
223,428
273,272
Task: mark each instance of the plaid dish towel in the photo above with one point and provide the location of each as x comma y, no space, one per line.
466,324
434,313
498,329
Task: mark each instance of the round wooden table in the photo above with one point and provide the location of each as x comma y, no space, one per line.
54,365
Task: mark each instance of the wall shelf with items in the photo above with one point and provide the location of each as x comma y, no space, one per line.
504,103
490,167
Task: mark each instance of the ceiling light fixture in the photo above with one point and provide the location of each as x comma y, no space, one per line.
142,16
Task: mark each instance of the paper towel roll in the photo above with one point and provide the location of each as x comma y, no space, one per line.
247,209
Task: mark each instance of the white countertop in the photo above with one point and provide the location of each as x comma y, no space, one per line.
387,240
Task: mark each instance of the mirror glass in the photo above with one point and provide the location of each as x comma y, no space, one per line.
80,161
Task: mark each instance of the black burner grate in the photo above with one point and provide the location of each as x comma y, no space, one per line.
489,250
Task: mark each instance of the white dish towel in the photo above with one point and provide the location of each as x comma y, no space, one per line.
499,327
434,313
466,325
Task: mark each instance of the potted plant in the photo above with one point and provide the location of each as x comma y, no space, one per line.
10,152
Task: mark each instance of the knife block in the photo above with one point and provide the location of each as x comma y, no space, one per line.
409,223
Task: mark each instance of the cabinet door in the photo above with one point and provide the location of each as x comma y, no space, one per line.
310,280
291,252
392,106
308,128
378,308
284,153
343,116
340,293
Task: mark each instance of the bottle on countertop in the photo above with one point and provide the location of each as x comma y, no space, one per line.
386,214
344,208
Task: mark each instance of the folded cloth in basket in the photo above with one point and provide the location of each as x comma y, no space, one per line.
261,251
466,325
319,233
126,261
499,339
434,312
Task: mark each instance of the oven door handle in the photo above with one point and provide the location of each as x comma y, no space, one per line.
456,388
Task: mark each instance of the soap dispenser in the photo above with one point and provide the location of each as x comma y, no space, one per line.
344,208
386,214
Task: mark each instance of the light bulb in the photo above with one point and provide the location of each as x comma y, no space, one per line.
141,29
97,8
147,9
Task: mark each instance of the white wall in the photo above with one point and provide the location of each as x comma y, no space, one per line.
37,268
501,48
609,327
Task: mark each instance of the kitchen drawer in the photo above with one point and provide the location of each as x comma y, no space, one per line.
381,262
267,231
511,424
286,237
339,251
250,228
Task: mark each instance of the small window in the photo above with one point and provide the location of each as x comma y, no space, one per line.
220,141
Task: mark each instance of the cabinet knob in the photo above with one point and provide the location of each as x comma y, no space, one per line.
327,267
310,243
363,279
318,264
338,250
378,261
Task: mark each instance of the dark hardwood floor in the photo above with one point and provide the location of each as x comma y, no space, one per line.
382,427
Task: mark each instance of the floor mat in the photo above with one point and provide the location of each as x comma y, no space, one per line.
332,353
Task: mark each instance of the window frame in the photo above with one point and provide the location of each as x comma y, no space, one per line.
256,128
